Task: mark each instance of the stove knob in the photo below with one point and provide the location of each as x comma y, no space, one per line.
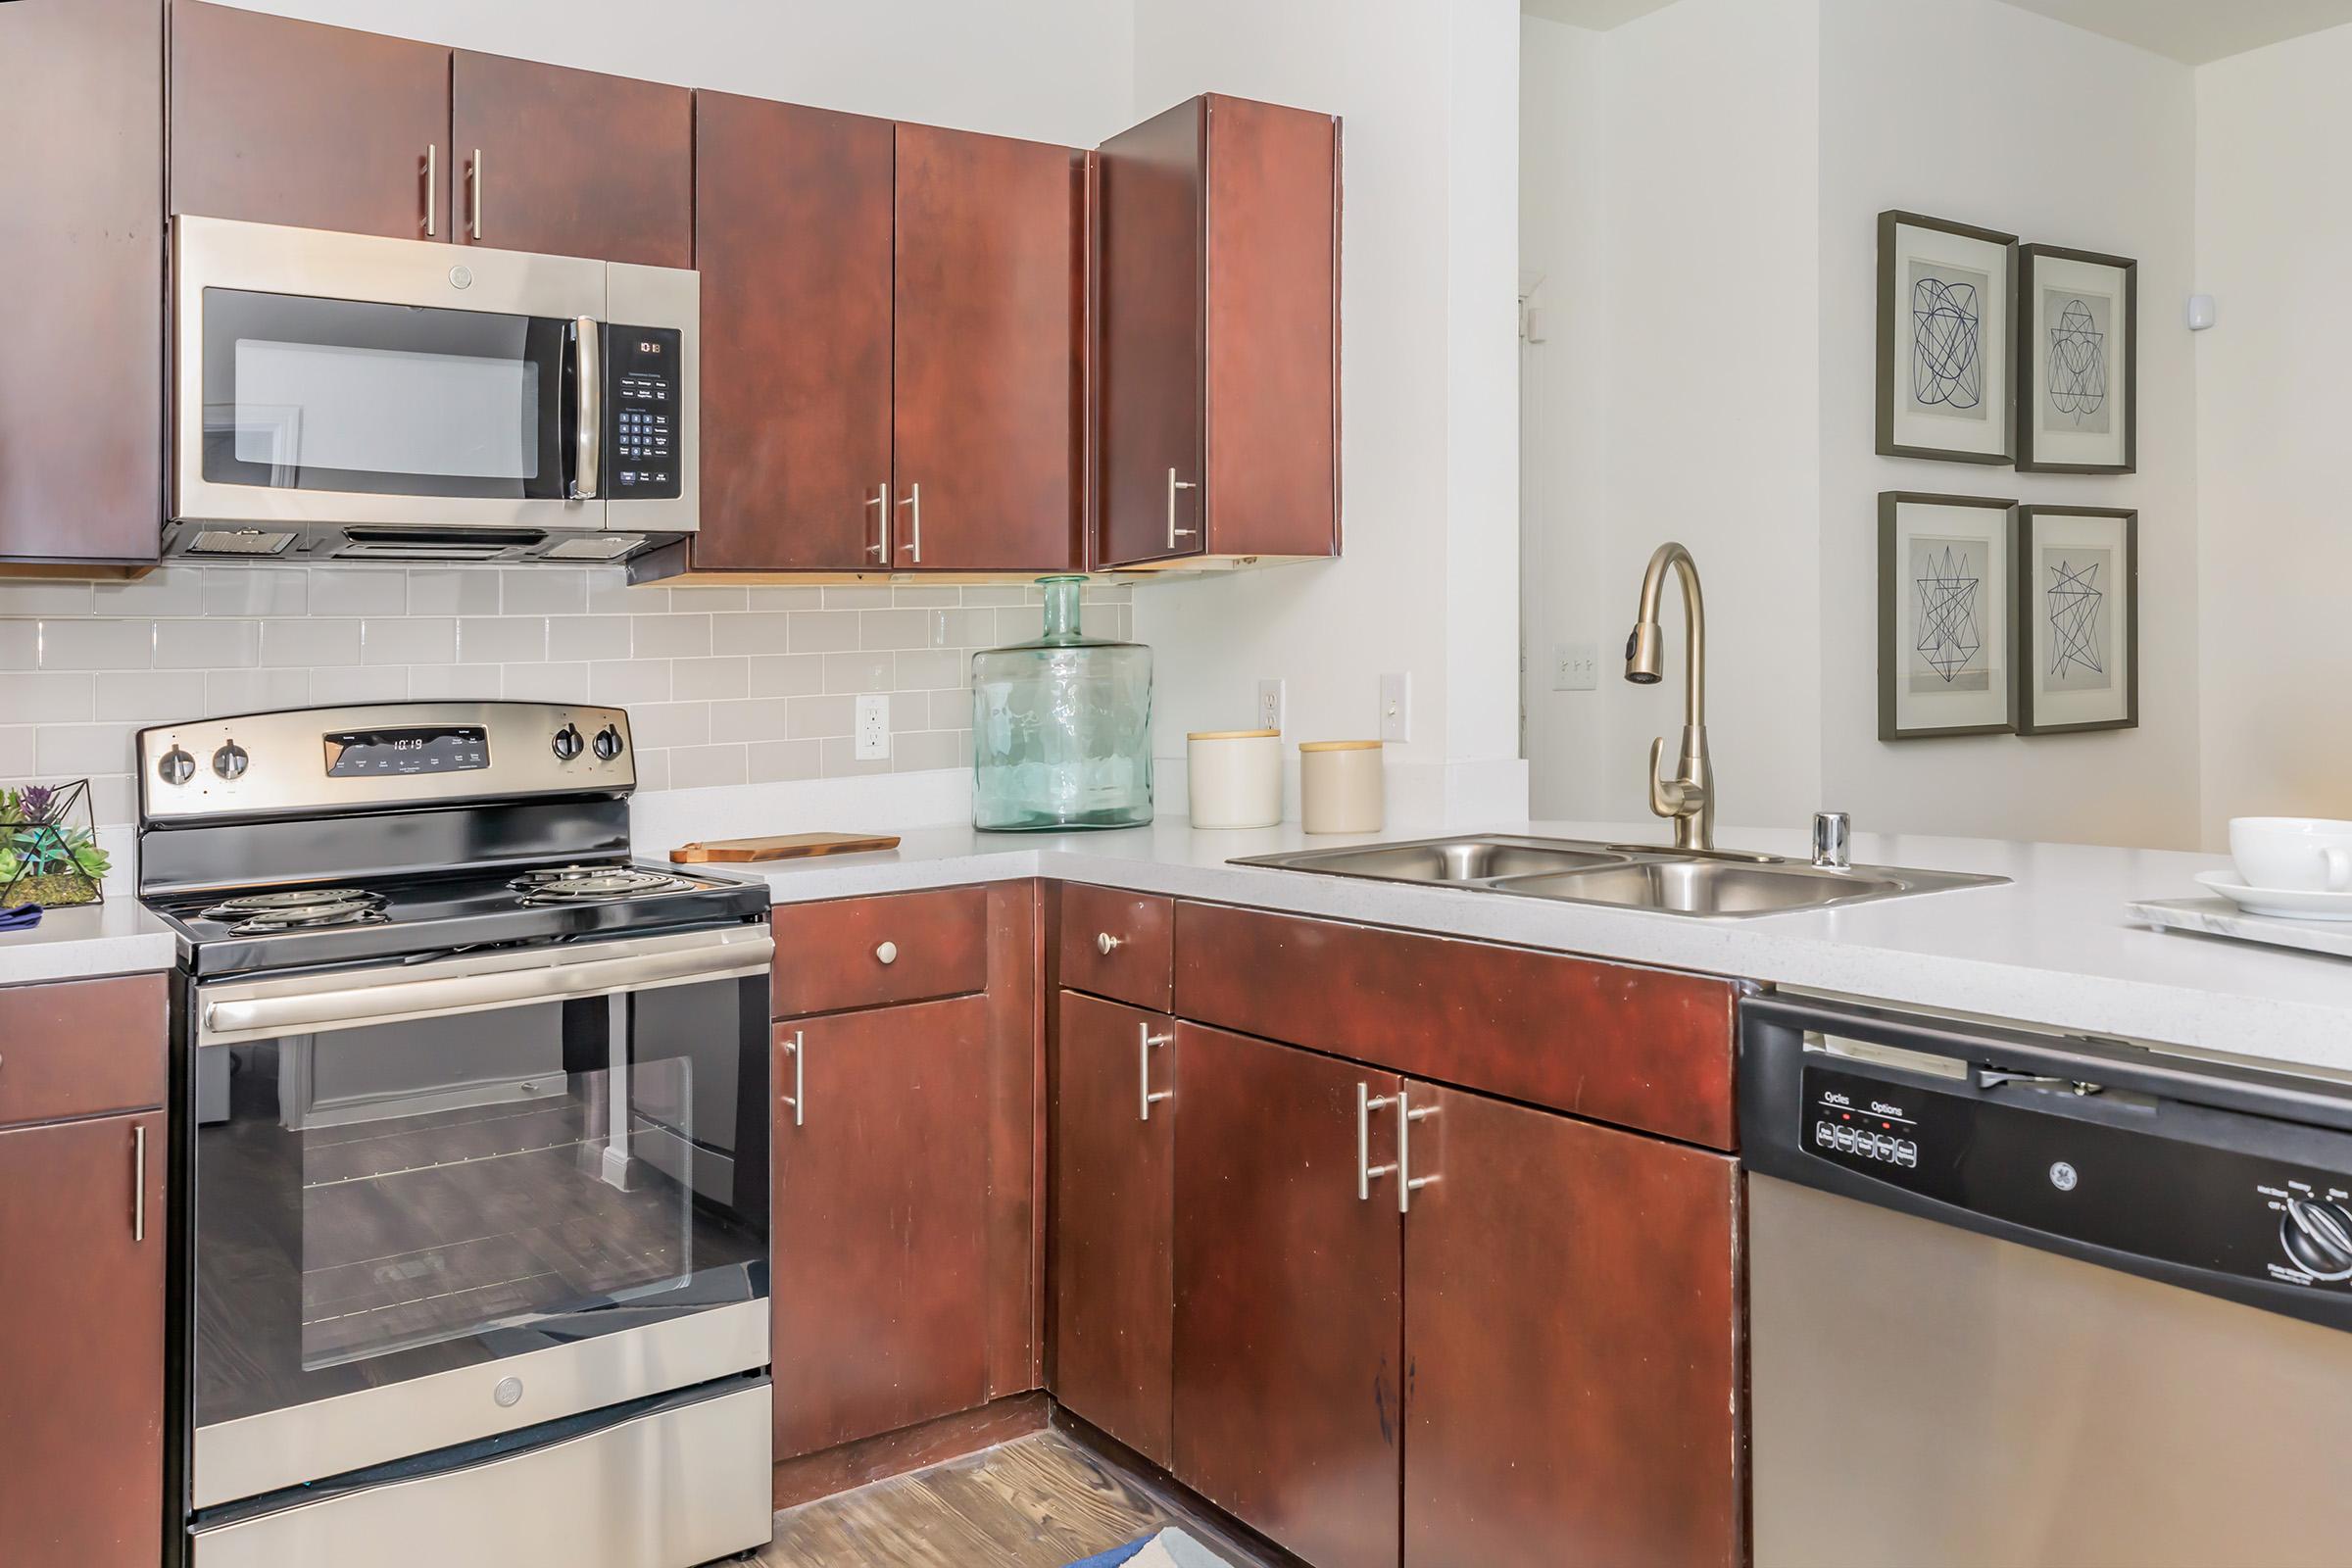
176,767
568,744
607,743
2318,1237
230,761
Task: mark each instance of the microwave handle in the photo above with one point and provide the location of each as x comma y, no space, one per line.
588,398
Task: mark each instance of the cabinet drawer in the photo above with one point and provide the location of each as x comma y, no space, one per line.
82,1047
870,952
1115,944
1640,1048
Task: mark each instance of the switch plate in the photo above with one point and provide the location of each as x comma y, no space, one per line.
1396,707
1270,703
1575,668
873,727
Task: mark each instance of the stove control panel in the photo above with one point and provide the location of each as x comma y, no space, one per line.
381,755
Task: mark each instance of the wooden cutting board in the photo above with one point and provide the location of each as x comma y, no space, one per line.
780,847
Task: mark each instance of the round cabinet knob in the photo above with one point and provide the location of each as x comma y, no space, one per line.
568,744
231,760
1105,944
176,767
607,743
2317,1235
888,953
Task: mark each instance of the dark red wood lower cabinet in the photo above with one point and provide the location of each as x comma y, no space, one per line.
1289,1316
81,1342
1114,1179
881,1221
1572,1388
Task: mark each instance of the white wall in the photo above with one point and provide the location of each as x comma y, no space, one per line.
2273,406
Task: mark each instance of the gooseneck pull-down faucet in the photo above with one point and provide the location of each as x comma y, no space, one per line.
1687,799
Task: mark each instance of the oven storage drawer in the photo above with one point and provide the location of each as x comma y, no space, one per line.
1117,944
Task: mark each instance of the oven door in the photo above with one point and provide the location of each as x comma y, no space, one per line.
438,1202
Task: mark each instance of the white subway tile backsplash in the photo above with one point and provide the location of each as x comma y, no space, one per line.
256,591
816,633
696,767
16,750
788,674
100,643
628,683
910,712
359,591
894,629
204,644
544,591
454,591
429,683
291,644
994,594
951,710
165,591
780,762
588,637
914,754
841,759
46,698
773,598
858,598
930,670
926,597
759,718
150,696
409,640
813,717
42,596
502,639
858,672
609,594
670,636
74,751
261,691
706,600
545,683
661,725
20,644
356,683
709,679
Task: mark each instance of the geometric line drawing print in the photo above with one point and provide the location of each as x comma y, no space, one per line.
1951,634
2077,362
1947,365
2073,597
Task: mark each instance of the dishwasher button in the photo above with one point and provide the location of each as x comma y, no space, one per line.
1824,1135
1846,1138
1906,1153
1882,1147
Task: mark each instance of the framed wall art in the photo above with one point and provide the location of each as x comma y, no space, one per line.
1944,339
2077,362
2077,620
1946,565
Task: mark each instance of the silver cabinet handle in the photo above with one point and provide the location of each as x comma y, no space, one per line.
588,424
1105,944
138,1182
432,191
914,501
474,180
1145,1041
1407,1182
1366,1103
798,1099
1175,484
880,548
888,953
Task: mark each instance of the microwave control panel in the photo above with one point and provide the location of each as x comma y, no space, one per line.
644,394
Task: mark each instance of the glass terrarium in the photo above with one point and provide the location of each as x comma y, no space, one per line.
1062,727
49,852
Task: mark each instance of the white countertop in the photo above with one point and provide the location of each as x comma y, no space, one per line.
2054,946
78,943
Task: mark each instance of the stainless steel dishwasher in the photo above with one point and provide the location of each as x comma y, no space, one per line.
2018,1299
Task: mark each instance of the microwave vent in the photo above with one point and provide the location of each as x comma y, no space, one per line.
593,547
239,542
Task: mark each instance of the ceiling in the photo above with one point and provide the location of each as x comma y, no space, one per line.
2190,30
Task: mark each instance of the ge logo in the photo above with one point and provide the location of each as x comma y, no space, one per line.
2063,1177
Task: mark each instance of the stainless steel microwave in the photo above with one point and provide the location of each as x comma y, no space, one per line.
351,397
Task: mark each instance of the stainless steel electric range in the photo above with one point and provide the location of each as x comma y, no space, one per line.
471,1209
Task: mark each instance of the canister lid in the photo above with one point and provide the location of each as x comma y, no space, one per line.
1339,746
1234,734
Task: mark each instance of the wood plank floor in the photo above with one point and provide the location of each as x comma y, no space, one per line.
1038,1501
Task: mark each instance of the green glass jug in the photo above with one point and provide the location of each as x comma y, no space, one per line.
1062,727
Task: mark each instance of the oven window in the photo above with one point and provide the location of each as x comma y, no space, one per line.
381,1203
316,394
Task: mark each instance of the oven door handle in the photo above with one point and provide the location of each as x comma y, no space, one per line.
339,1004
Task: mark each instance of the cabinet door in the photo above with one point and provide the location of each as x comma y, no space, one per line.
571,162
278,121
881,1221
1573,1392
81,1320
1151,373
1114,1197
792,222
82,233
1289,1318
989,295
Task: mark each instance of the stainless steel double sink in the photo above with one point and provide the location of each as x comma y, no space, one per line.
1708,883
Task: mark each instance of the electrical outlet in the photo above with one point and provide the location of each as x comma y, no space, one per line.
1395,708
1270,704
1575,668
873,727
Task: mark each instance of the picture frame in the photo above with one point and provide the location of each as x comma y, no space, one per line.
1947,565
2076,620
2077,362
1946,387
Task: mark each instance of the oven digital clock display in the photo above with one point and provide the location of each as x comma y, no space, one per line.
378,752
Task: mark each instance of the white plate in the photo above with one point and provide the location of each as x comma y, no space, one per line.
2287,904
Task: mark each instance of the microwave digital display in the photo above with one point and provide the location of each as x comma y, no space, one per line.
376,752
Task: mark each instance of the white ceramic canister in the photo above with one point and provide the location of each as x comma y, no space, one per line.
1339,787
1236,777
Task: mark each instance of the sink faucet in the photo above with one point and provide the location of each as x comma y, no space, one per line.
1687,798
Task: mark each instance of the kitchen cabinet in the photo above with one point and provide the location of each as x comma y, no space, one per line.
82,241
282,121
1289,1371
571,162
1114,1108
1218,339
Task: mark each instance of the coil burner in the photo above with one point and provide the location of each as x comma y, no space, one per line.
584,884
258,914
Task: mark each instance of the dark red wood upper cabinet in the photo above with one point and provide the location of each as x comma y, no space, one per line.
280,121
82,243
1219,284
793,217
989,299
1113,1257
81,1320
571,162
1573,1384
1288,1359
